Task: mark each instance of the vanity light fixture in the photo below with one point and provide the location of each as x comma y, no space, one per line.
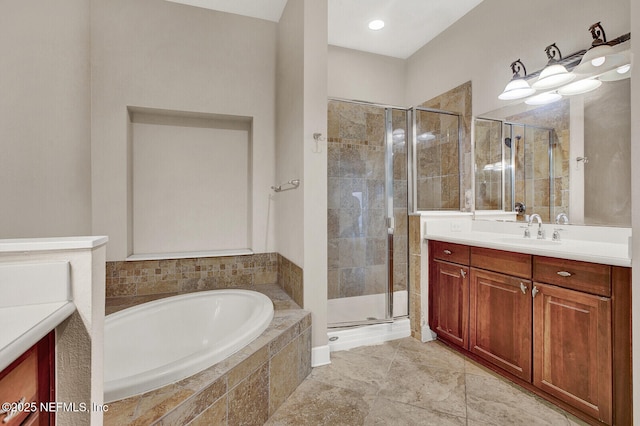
600,56
543,98
518,87
554,73
621,72
376,24
580,86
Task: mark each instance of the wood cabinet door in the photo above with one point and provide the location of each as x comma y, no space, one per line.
500,316
572,348
450,292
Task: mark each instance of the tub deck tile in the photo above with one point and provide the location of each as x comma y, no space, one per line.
236,390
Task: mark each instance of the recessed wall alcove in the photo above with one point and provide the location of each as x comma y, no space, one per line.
189,184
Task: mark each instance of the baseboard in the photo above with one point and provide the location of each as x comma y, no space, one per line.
427,334
320,355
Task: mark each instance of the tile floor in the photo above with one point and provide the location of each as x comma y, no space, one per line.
405,382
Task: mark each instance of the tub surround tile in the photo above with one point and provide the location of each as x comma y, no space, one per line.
291,279
216,414
171,276
249,401
317,403
238,389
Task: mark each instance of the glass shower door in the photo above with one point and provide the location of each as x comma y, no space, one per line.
365,255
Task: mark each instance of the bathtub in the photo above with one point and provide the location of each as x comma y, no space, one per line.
160,342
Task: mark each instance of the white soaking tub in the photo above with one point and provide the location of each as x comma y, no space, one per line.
160,342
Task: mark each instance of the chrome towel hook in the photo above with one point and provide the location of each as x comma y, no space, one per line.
317,137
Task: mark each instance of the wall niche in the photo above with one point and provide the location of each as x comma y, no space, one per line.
189,183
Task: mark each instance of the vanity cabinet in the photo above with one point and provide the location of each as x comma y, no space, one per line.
500,321
572,348
27,382
555,326
450,308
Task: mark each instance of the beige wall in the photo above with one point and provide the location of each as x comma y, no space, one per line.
365,76
163,55
290,132
45,176
301,111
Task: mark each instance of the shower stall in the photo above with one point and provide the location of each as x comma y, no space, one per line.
367,213
383,163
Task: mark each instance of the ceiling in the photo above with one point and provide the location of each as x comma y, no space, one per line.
409,24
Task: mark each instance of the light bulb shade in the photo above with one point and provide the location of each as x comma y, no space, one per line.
599,59
620,73
516,89
552,76
543,99
579,87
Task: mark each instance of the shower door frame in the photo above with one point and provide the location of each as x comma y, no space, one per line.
550,156
389,219
412,165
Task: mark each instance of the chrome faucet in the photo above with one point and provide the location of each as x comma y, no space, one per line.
540,229
562,219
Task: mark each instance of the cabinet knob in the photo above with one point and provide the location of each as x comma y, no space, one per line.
534,291
447,252
564,273
14,411
463,273
523,288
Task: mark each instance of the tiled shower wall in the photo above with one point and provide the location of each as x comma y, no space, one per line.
457,100
130,283
488,151
356,186
532,160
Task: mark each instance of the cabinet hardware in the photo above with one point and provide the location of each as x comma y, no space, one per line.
523,288
447,252
564,273
534,291
13,412
463,273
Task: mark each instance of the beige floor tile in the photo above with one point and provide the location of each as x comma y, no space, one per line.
426,387
385,412
407,382
494,401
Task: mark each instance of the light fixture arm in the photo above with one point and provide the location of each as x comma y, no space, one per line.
516,67
551,51
597,32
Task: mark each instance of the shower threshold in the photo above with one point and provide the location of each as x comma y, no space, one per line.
354,337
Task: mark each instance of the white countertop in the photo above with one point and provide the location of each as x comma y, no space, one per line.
57,243
23,326
587,244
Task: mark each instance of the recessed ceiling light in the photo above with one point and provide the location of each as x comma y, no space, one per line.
376,25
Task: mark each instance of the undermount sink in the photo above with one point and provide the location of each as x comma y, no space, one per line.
527,241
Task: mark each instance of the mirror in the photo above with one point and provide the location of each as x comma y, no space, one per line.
570,156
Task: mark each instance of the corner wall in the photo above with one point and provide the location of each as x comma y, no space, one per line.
45,127
169,56
301,106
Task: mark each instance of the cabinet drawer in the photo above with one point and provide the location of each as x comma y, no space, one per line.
588,277
19,380
517,264
450,252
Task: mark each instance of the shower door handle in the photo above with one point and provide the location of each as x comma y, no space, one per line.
391,223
